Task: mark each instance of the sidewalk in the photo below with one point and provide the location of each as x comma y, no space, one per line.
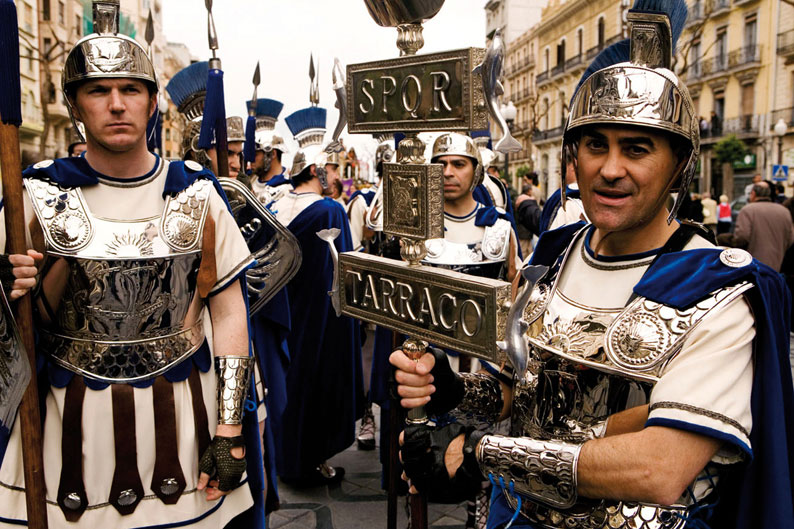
357,502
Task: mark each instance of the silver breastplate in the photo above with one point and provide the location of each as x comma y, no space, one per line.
581,372
123,297
493,248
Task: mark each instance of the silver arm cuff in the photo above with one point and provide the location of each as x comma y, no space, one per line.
544,471
482,400
234,376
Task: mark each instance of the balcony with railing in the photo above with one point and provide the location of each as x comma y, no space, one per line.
746,57
557,70
745,126
595,50
715,65
521,95
540,136
574,62
786,114
785,44
542,77
694,72
720,7
695,13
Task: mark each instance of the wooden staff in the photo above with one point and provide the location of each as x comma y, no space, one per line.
10,165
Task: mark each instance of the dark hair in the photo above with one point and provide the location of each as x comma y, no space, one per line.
70,149
278,155
303,177
762,190
533,177
339,187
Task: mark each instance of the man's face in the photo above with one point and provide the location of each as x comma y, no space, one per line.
262,162
332,172
114,112
624,175
235,150
458,176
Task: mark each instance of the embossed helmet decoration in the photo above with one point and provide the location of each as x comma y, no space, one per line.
631,83
106,54
452,143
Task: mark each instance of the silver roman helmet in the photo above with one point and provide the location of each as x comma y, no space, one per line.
235,129
266,112
632,83
308,127
106,54
452,143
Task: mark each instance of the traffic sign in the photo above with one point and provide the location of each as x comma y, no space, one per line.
780,173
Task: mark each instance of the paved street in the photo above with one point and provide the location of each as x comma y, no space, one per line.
357,502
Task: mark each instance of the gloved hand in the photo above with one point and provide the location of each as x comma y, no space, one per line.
423,455
219,463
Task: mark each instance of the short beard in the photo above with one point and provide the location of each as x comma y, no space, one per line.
267,162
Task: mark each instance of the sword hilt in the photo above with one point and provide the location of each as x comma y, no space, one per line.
415,349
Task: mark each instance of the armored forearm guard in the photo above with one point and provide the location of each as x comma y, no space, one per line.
544,471
234,376
482,400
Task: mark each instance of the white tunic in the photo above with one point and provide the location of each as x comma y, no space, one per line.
131,200
706,388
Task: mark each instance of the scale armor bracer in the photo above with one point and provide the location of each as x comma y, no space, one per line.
482,402
544,471
234,376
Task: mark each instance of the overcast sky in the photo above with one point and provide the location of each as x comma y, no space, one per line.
282,33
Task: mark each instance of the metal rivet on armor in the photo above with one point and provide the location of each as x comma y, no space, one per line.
193,166
72,501
169,486
735,257
43,164
127,497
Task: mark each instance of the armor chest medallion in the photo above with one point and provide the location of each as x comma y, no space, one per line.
123,303
486,258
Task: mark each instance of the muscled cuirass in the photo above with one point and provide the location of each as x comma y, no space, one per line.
486,258
582,370
120,298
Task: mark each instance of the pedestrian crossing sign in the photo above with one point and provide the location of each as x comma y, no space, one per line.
780,173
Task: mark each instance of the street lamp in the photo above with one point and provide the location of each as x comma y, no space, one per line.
780,131
509,113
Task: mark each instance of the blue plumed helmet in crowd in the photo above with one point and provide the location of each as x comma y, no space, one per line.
308,128
632,83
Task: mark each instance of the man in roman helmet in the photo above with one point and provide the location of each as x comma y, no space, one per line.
324,381
141,319
652,385
235,137
270,180
478,238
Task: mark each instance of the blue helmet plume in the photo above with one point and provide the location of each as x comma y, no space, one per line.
676,11
267,107
187,82
305,119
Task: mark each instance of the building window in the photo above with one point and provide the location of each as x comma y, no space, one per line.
29,56
61,12
601,32
563,109
78,25
721,46
168,134
45,9
28,18
47,46
751,30
546,60
748,103
580,40
545,113
561,53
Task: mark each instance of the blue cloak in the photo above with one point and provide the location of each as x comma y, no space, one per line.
325,378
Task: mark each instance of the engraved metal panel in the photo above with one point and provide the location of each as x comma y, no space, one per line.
462,312
413,200
275,248
430,92
14,365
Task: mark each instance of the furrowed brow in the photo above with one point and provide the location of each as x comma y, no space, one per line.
637,140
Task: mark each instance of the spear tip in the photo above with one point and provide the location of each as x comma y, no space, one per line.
256,74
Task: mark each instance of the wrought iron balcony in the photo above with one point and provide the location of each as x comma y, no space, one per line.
573,62
550,134
715,65
786,114
785,43
746,56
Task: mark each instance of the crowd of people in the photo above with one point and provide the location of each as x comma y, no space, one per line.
645,379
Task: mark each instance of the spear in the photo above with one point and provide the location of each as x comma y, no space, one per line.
10,164
154,126
250,127
214,122
314,86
